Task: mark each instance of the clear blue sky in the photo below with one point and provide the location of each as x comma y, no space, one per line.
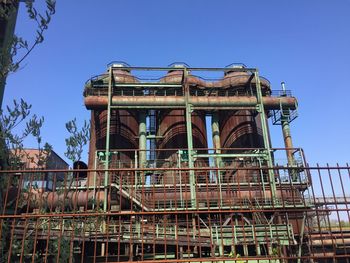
304,43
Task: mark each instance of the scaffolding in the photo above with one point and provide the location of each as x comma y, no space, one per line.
151,203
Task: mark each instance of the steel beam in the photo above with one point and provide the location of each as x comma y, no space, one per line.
107,153
188,112
232,155
261,109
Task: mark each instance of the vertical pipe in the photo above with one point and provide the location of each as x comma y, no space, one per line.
217,147
283,89
142,141
287,140
286,130
216,136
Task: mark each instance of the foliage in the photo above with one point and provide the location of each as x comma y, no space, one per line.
14,51
64,244
77,140
19,46
12,152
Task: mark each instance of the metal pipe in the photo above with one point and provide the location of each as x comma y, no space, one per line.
142,139
216,136
71,198
286,131
283,88
270,103
287,140
217,146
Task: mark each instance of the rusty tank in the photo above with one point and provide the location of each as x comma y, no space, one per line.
240,128
172,129
123,124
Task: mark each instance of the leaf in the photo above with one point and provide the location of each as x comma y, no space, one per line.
39,37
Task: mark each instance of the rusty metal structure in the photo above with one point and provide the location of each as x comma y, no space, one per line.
181,169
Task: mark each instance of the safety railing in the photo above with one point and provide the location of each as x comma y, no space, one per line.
148,221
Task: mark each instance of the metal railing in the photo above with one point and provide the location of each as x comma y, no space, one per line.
69,222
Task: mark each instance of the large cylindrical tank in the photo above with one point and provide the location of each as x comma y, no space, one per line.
123,125
240,128
123,128
172,129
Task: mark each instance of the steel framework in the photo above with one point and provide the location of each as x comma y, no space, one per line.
200,204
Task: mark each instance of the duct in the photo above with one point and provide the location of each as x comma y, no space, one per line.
330,242
270,103
81,196
71,198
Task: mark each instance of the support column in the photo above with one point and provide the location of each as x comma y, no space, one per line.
181,253
107,152
261,110
301,238
190,143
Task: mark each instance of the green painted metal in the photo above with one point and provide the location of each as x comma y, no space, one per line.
107,152
180,177
188,111
232,155
267,206
261,110
95,178
248,234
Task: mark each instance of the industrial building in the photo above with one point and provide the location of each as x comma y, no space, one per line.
181,168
